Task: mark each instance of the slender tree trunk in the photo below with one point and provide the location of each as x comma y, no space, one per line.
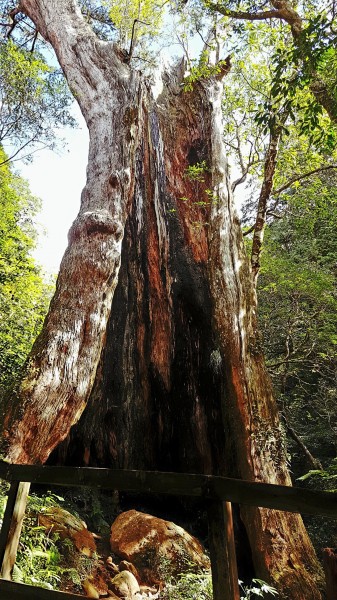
169,357
266,190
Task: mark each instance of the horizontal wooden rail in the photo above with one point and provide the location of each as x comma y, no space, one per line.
279,497
19,591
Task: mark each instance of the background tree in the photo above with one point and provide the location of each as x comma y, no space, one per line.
34,97
311,56
299,175
298,299
24,294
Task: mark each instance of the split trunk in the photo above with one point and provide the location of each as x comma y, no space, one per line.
150,350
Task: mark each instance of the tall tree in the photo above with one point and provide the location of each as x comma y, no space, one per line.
24,294
34,100
290,185
152,325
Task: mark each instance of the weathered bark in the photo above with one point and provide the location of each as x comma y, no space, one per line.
176,376
330,570
168,368
159,383
62,365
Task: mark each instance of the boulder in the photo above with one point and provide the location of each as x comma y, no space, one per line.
125,586
156,547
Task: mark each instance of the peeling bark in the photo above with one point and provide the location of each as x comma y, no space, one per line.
62,365
169,355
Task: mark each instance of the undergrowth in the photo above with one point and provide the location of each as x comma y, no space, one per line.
46,561
43,559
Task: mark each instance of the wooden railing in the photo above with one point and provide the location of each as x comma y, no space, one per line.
217,492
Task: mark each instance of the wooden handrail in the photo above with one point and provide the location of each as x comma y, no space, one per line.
267,495
218,492
19,591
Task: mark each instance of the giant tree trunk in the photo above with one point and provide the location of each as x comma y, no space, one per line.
168,364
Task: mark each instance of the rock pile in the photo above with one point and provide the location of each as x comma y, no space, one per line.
146,552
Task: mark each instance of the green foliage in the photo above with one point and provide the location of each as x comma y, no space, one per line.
323,479
189,586
34,101
4,487
42,560
258,589
292,76
298,308
138,21
197,171
97,507
24,295
322,531
198,586
202,69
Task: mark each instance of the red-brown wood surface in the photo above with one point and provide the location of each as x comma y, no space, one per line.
330,570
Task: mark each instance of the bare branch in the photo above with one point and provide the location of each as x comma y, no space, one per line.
270,213
12,15
314,462
206,44
34,40
132,43
10,158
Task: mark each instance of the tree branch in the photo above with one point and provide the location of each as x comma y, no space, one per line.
249,230
300,177
285,12
247,16
314,462
265,193
132,42
12,15
34,40
10,158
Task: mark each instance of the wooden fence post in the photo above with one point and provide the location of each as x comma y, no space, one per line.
222,551
6,523
12,525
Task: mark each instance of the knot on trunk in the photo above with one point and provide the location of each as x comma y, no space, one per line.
91,223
